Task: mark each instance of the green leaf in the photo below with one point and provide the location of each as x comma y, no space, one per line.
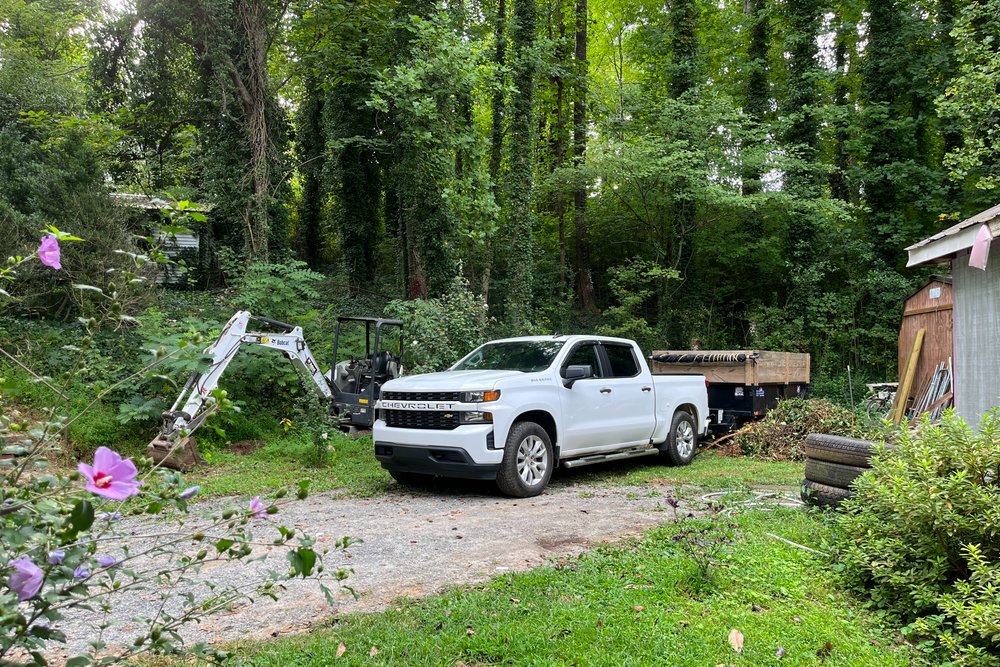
80,519
222,545
307,557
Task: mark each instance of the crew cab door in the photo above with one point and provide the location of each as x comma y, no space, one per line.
587,407
631,384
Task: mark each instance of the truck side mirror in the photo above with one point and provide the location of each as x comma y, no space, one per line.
574,373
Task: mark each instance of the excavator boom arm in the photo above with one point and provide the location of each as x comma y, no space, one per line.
194,403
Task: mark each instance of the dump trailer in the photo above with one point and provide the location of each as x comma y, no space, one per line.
742,384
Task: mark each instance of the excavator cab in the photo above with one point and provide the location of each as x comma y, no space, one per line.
357,383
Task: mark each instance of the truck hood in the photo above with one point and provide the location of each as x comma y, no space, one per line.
450,381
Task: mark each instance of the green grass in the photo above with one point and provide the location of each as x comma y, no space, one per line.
708,471
638,602
286,460
354,471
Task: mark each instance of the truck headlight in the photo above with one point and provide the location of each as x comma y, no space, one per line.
480,396
477,417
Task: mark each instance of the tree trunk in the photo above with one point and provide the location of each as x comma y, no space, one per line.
520,191
311,156
497,134
255,103
584,287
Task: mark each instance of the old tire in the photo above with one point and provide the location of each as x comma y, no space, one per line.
814,493
832,474
682,440
527,461
837,449
411,478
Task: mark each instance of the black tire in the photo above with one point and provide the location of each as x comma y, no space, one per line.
836,449
528,461
679,448
832,474
814,493
411,478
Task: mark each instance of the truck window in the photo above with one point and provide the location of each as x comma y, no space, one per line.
585,355
524,356
622,359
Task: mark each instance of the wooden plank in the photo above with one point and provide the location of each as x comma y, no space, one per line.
906,380
932,309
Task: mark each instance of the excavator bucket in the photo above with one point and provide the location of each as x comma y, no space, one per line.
180,455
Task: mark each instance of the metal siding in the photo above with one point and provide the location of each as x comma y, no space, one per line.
977,338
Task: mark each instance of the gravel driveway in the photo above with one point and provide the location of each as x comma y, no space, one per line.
414,544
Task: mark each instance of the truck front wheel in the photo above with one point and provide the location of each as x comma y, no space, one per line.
682,441
527,461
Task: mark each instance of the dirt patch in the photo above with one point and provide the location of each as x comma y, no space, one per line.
246,447
554,543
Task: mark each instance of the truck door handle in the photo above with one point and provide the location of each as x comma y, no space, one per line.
647,389
605,390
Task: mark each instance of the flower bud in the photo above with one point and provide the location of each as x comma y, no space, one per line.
198,537
228,514
201,554
273,509
281,493
112,287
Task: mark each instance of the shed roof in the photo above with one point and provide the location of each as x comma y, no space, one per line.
944,245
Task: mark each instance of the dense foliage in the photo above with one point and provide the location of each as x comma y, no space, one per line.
922,536
736,173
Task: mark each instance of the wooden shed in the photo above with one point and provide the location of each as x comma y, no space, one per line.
976,311
929,308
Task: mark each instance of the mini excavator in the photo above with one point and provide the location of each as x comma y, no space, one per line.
351,386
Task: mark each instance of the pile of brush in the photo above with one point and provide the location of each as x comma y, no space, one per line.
781,434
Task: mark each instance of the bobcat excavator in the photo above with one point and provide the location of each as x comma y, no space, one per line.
351,387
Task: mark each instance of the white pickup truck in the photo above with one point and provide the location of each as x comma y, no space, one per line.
513,409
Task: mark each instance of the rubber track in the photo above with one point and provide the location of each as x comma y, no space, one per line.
837,449
822,494
832,474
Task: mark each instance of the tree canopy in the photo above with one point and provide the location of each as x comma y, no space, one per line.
722,174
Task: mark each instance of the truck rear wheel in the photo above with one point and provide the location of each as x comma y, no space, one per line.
527,461
682,440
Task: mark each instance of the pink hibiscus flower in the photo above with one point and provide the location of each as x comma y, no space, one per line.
26,580
257,507
110,476
49,252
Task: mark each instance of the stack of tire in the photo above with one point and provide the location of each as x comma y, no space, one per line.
832,464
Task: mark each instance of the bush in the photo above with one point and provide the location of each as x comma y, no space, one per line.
442,331
922,536
781,434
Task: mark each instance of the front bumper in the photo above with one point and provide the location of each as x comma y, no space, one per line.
444,461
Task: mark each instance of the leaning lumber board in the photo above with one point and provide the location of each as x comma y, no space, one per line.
906,379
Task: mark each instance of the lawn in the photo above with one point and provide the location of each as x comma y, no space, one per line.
638,602
353,471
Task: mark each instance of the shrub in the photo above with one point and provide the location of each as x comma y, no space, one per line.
922,535
781,434
442,331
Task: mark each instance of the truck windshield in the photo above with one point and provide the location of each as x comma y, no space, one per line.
525,356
